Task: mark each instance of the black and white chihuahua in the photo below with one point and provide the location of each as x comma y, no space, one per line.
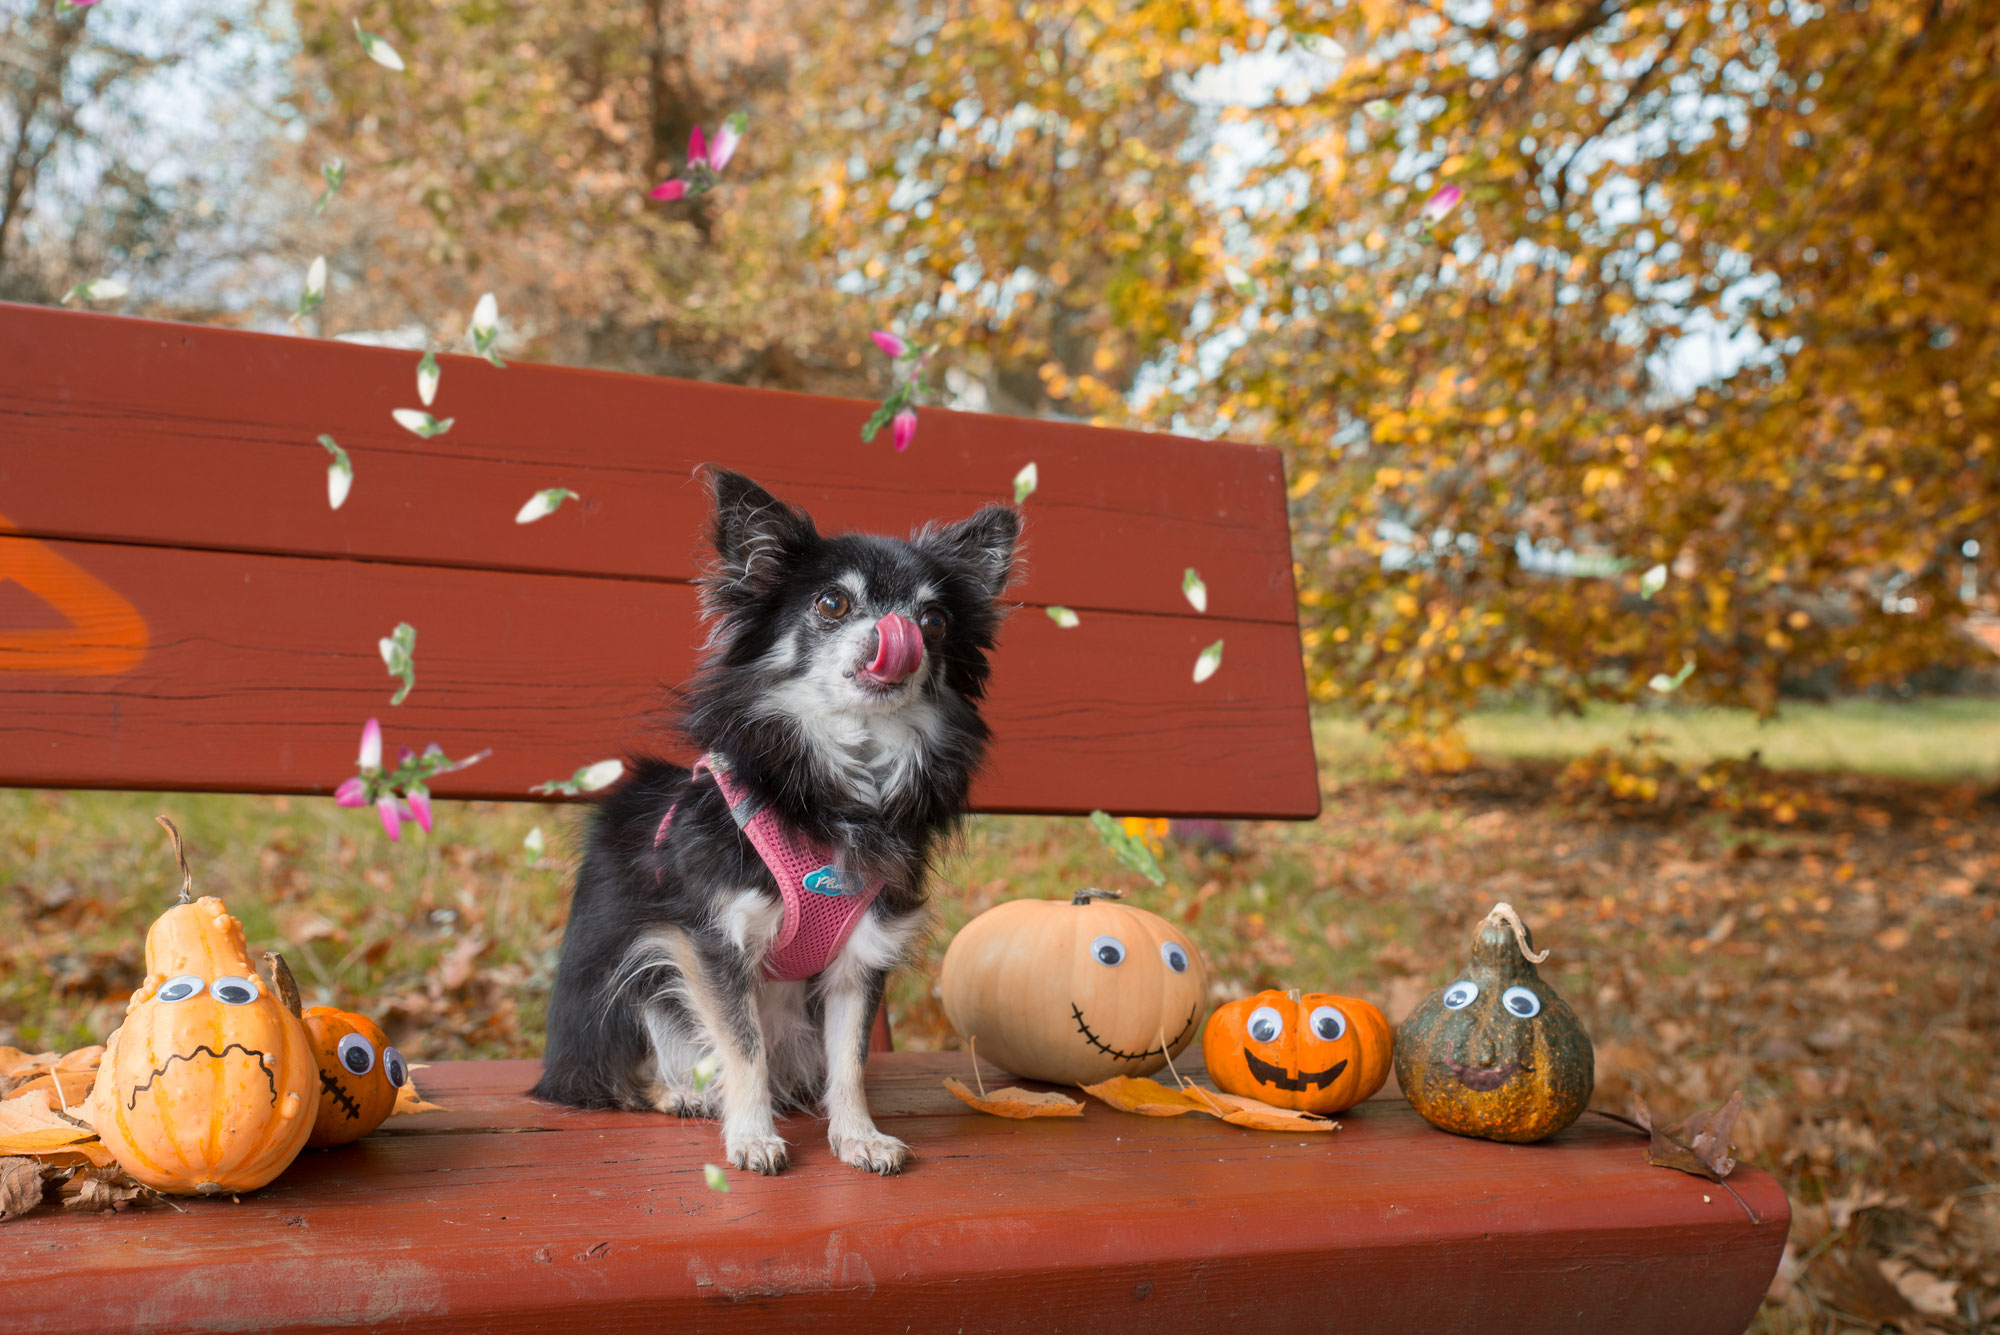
837,696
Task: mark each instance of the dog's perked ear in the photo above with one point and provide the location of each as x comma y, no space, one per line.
752,531
983,545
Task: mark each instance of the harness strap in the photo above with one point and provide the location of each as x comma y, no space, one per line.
823,903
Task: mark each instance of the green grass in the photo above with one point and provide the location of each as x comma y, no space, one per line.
1941,740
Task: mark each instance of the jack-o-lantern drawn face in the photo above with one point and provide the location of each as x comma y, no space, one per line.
1074,992
1496,1053
359,1074
1315,1052
206,1087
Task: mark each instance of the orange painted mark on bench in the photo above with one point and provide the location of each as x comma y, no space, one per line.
105,634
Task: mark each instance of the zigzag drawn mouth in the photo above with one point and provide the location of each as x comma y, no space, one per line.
340,1096
263,1064
1114,1053
1298,1084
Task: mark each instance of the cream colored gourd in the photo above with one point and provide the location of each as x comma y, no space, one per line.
1074,992
209,1084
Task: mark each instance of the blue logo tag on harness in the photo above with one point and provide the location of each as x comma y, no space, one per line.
825,881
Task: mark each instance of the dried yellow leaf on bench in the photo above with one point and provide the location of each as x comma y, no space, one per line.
31,1124
1014,1101
1249,1112
1148,1098
408,1101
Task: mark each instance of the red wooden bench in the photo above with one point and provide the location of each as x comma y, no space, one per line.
190,614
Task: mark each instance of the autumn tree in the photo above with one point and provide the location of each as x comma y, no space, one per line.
1468,262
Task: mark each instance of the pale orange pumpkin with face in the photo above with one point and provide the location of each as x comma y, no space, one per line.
359,1074
1312,1051
208,1085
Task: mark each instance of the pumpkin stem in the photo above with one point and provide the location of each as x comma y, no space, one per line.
1293,996
180,856
288,986
1085,895
1504,913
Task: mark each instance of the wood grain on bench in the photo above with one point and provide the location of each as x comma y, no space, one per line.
502,1214
178,466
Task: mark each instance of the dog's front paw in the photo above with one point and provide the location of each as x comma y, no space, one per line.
760,1152
871,1150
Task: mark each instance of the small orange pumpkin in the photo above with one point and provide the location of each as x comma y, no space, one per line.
1315,1052
359,1074
207,1086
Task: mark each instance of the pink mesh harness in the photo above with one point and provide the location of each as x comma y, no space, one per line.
823,903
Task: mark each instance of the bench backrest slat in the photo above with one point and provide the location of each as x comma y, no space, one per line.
162,487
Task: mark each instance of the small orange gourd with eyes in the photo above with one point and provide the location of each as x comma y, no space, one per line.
359,1074
1315,1052
208,1085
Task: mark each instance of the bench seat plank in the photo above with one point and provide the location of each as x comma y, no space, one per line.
263,685
501,1214
131,430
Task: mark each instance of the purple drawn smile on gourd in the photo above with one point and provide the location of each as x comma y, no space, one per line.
1484,1079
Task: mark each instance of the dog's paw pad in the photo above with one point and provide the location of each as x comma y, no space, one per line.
873,1151
758,1154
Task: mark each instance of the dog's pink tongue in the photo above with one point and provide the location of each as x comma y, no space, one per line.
900,652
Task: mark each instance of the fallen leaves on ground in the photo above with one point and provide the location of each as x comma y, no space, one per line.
1013,1101
31,1123
1147,1098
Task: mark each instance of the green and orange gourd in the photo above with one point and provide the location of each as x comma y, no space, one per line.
1497,1053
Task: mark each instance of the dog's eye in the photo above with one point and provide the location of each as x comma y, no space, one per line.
832,604
932,623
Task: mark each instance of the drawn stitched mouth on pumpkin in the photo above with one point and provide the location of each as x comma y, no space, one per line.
1114,1053
1485,1079
340,1096
1266,1074
263,1064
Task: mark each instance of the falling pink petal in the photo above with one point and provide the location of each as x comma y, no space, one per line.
1443,202
371,745
889,343
903,427
353,793
670,190
420,807
392,820
697,147
725,147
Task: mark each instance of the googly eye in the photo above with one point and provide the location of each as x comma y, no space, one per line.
357,1054
181,987
1328,1023
394,1067
233,991
1460,994
1174,955
1265,1024
1521,1002
1108,950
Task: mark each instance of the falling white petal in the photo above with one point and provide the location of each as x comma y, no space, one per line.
533,843
377,49
717,1179
1206,665
601,775
428,376
1065,618
1025,482
316,277
486,315
1196,591
543,503
339,481
420,422
1652,581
